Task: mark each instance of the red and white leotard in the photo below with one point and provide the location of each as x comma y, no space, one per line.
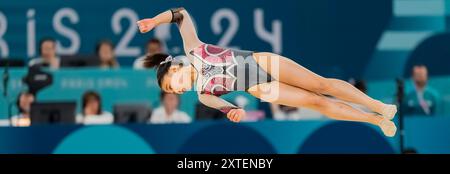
224,70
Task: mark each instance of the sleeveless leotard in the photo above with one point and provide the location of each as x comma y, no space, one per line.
224,70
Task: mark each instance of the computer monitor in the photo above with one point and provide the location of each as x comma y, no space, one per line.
12,62
80,61
131,113
203,112
52,112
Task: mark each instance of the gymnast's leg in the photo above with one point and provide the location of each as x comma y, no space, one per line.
296,97
291,73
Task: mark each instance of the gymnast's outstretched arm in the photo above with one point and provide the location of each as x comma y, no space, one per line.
233,113
181,17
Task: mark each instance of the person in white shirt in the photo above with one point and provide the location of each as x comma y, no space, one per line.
24,101
152,47
287,113
92,112
291,113
47,55
105,52
361,85
168,112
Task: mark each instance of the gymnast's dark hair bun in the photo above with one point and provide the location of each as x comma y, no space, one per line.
154,61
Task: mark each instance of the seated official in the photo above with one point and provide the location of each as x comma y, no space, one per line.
92,110
152,47
361,85
168,112
105,52
24,101
422,99
287,113
47,55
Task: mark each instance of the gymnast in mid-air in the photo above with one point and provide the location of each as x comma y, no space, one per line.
214,71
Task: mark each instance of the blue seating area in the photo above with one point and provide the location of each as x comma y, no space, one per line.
131,86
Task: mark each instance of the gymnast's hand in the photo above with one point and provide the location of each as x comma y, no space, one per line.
145,25
235,115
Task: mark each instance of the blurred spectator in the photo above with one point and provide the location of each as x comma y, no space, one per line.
251,115
422,99
203,112
153,46
361,85
168,112
105,52
24,101
47,55
282,112
92,112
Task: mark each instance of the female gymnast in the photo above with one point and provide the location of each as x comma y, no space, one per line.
214,71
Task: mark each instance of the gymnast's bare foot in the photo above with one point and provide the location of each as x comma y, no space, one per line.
388,127
388,111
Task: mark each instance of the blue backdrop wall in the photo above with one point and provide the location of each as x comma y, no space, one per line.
333,38
340,39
